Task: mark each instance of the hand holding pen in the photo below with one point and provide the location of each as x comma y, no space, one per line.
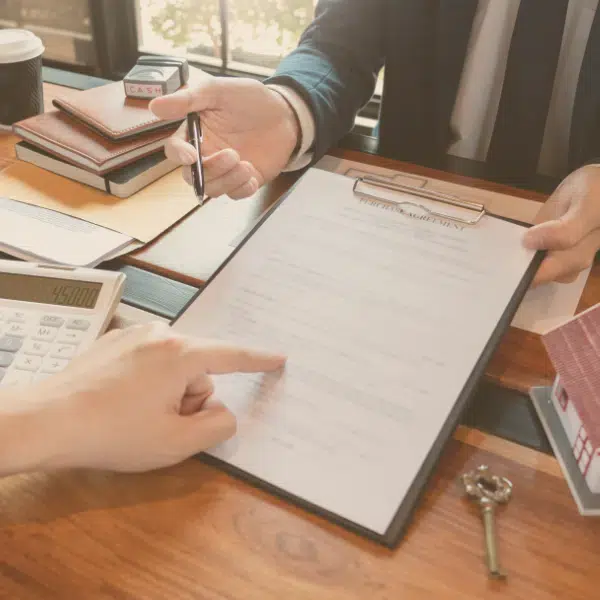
250,133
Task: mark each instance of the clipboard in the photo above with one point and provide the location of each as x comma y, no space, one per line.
403,516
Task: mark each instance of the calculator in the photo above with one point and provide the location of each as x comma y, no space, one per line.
50,314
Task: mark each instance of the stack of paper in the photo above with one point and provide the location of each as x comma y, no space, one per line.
38,234
45,217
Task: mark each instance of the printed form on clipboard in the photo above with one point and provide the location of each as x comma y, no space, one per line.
544,307
388,305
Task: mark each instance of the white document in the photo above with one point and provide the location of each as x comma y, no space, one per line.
383,317
39,234
550,305
543,307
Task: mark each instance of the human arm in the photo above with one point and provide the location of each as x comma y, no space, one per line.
141,398
334,69
24,446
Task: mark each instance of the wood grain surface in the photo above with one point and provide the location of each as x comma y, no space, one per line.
191,532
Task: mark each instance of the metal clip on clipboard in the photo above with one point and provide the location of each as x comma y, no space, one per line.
429,194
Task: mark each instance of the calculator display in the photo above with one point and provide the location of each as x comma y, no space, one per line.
49,290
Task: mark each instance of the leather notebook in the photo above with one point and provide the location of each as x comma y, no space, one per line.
122,182
108,111
62,136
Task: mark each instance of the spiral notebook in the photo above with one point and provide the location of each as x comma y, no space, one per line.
388,303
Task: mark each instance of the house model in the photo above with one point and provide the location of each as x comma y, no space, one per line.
574,350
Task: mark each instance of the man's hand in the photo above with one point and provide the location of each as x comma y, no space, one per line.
568,226
249,132
140,399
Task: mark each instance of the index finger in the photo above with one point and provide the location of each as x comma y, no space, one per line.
218,358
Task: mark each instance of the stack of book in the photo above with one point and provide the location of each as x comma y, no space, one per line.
99,137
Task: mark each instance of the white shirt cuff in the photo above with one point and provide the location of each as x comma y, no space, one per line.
303,155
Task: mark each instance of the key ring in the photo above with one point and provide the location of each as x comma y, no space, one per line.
481,484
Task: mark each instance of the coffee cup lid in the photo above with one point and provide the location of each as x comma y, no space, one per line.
17,45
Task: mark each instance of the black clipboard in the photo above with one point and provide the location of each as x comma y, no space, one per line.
404,514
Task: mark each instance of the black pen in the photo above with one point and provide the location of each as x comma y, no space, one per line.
195,135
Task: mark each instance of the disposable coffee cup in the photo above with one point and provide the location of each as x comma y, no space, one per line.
21,91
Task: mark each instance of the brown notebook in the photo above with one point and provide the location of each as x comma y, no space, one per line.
74,142
109,112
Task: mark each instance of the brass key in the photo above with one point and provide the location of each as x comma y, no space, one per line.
488,490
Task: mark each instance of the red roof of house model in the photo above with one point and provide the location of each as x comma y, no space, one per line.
574,349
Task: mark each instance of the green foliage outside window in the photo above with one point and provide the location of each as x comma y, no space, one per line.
275,22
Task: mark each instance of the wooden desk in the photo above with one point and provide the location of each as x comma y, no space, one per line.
192,532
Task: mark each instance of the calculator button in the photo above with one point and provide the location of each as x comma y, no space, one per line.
2,373
17,329
70,336
62,351
40,377
81,324
50,321
44,334
15,376
9,343
16,316
28,363
6,359
53,365
36,348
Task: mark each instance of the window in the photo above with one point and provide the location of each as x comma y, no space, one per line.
261,32
242,35
562,396
65,27
183,27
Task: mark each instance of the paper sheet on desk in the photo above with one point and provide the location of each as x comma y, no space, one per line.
143,216
32,233
550,305
542,308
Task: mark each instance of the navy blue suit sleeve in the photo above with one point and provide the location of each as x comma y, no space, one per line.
336,64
